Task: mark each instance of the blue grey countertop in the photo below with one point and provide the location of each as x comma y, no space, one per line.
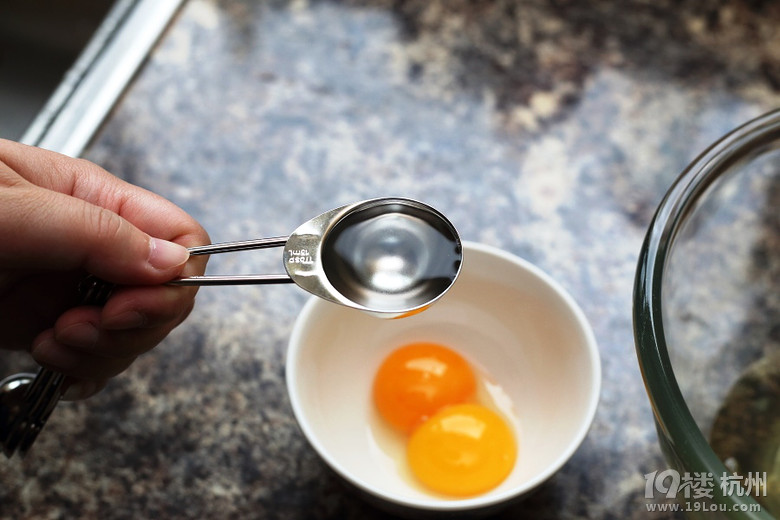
548,128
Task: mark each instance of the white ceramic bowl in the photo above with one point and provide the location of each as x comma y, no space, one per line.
505,315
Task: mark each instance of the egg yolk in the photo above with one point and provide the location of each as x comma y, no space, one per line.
417,380
461,451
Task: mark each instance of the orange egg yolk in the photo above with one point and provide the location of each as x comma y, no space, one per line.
417,380
461,451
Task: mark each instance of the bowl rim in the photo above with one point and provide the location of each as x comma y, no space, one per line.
672,415
482,501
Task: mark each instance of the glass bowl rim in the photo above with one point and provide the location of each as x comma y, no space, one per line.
672,415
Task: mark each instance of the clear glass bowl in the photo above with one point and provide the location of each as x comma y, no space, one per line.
707,328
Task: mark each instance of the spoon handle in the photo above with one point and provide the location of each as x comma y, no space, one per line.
243,245
231,247
251,279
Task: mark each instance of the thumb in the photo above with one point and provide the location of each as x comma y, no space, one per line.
51,230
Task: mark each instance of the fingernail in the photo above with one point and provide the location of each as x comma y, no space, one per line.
124,321
165,255
79,335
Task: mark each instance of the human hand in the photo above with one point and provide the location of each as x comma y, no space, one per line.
61,218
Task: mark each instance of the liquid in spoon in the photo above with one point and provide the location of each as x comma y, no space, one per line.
390,258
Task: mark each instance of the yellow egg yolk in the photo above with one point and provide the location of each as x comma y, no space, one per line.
417,380
461,451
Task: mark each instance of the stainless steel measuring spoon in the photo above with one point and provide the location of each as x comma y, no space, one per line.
388,257
391,257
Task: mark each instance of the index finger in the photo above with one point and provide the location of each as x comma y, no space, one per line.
91,183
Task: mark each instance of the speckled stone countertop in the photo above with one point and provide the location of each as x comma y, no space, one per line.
548,128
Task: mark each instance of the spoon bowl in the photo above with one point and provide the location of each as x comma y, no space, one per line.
389,257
